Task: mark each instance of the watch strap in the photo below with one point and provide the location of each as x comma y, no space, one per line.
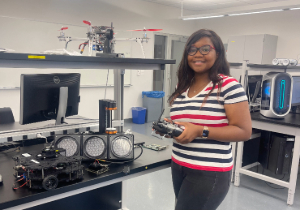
205,132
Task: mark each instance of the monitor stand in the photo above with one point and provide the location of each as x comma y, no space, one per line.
258,84
62,106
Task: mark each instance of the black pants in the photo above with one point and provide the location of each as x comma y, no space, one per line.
199,190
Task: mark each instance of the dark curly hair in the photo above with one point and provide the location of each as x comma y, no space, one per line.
186,74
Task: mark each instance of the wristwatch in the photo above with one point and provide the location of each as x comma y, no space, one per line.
205,132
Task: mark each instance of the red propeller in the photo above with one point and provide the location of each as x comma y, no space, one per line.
87,22
63,28
146,30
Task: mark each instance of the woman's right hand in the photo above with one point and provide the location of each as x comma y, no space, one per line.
161,134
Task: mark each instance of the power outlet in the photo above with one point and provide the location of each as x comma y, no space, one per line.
139,72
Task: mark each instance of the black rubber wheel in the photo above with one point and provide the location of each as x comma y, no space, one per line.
50,182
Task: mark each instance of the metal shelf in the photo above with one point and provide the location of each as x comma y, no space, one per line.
273,66
43,61
24,60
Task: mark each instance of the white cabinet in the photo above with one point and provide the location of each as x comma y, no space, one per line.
257,49
235,49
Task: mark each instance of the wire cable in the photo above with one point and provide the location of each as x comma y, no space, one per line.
276,188
106,83
15,188
20,179
5,147
128,161
269,184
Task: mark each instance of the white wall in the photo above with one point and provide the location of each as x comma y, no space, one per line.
129,14
283,24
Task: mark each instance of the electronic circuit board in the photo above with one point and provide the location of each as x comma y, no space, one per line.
155,147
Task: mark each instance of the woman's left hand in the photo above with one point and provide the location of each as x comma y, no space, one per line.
190,132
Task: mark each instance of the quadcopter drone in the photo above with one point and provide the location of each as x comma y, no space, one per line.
99,36
102,39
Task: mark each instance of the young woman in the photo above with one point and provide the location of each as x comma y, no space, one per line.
213,108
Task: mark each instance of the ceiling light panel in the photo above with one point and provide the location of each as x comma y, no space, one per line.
261,1
256,12
204,17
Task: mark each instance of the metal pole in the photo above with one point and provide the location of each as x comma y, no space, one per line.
294,169
181,8
117,96
244,74
238,162
122,96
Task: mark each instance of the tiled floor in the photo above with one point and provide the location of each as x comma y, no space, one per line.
154,191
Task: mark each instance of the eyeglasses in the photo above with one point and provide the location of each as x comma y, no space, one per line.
204,50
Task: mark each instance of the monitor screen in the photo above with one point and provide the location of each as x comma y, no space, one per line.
48,96
296,91
266,95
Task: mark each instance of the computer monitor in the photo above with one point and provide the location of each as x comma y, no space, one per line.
49,96
296,91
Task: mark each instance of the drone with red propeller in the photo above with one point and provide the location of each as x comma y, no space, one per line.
101,38
145,38
67,39
61,36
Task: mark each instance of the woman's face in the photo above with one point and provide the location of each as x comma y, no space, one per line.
202,63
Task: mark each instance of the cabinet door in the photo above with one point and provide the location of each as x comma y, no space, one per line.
235,49
254,48
175,49
269,49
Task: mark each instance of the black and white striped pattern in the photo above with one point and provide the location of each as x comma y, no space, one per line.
206,154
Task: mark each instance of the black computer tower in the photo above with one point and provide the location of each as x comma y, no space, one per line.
264,149
251,148
288,156
276,152
280,158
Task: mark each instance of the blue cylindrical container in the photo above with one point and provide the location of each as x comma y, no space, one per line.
138,115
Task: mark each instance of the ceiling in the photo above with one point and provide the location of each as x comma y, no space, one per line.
200,5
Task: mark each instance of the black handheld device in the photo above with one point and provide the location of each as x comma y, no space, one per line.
167,128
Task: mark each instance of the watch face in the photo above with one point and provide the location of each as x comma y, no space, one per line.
205,133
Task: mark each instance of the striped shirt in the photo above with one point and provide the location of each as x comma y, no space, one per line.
206,154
